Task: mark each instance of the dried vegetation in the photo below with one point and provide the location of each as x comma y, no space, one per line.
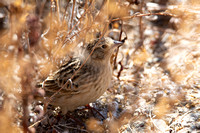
156,79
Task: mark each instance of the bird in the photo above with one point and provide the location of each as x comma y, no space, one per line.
82,79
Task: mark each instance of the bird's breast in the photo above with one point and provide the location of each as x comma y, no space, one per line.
103,81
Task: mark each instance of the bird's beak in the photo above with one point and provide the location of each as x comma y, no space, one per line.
117,43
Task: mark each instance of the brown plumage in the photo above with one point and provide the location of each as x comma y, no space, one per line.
89,83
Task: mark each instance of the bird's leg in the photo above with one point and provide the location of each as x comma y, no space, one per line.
76,120
91,108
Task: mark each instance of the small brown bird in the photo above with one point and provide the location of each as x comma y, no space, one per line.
89,82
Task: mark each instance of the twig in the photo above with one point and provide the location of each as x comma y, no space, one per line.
36,122
72,29
25,111
120,36
69,127
26,76
121,69
58,10
141,28
53,6
41,7
65,12
71,23
142,15
85,29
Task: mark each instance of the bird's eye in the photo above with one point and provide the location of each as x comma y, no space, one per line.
104,46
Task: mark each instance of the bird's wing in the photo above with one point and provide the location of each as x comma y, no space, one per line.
58,79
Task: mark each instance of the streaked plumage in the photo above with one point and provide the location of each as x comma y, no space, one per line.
88,84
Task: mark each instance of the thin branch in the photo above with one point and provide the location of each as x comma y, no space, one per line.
120,37
147,14
141,28
73,28
37,122
121,69
58,10
71,23
53,6
65,13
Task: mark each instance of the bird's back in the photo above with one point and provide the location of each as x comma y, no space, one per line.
58,79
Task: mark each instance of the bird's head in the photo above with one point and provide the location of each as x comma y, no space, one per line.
102,48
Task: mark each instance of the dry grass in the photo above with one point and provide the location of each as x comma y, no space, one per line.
156,82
